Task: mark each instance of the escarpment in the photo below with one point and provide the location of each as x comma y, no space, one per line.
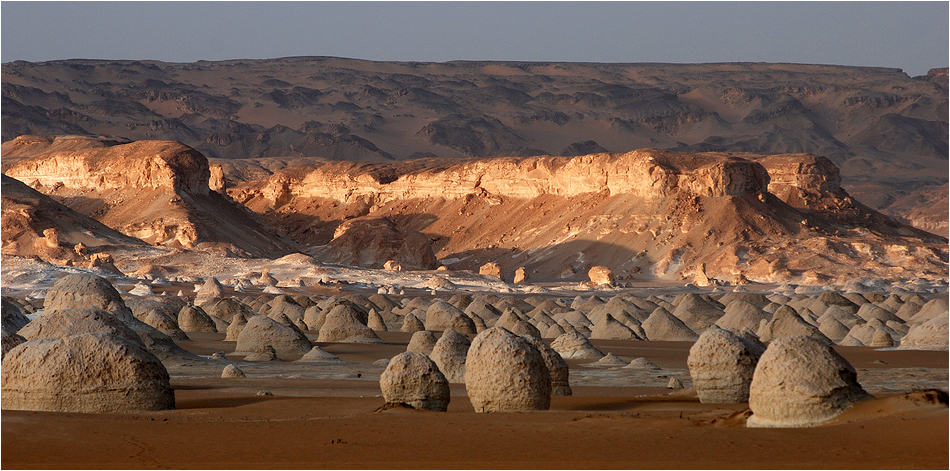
156,191
706,217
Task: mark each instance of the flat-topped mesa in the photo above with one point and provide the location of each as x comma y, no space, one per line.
647,174
141,164
795,177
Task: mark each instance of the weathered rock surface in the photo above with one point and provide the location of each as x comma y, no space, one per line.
449,353
505,373
411,378
87,373
261,331
801,382
442,316
573,345
343,324
721,365
557,367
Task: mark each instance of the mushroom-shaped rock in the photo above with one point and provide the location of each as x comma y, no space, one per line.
573,345
930,335
232,371
262,330
87,373
442,316
449,354
238,322
661,325
194,319
343,325
505,373
319,355
801,382
721,365
422,341
557,367
601,275
411,378
87,292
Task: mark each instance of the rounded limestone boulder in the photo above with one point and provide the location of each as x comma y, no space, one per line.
721,365
195,319
87,292
801,381
344,325
505,373
87,373
443,316
411,378
261,331
557,367
449,354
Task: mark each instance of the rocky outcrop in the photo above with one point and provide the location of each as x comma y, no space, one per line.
505,373
262,331
86,373
372,242
801,382
156,191
449,353
721,365
411,378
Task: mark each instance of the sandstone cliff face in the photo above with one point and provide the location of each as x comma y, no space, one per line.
644,214
156,191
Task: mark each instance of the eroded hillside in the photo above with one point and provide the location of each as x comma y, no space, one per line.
886,131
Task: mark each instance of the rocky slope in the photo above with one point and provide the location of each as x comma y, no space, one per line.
645,214
886,131
155,191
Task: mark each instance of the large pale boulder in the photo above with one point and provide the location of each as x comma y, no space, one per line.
697,312
573,345
721,365
238,322
87,292
158,315
557,367
411,323
787,323
227,308
801,382
261,331
69,322
742,315
343,325
505,373
86,373
411,378
516,324
209,292
612,329
449,354
442,316
491,269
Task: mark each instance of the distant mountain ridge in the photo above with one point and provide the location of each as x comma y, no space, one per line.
888,132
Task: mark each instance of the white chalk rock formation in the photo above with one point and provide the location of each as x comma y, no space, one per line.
515,324
930,335
262,330
232,371
449,354
505,373
721,365
210,291
319,355
609,361
343,324
661,325
443,316
601,275
87,292
557,367
411,378
86,373
573,345
194,319
641,364
238,322
422,341
612,329
801,382
787,323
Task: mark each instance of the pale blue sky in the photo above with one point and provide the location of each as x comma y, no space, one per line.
909,35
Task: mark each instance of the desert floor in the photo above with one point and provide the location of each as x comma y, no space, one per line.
329,416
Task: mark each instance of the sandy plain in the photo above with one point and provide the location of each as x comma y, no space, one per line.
330,415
